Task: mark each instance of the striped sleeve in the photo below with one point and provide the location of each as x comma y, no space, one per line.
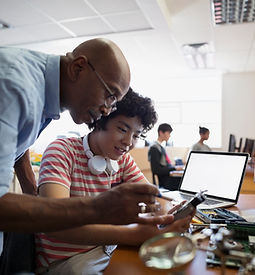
56,165
131,172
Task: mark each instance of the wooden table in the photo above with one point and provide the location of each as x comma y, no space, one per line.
248,186
125,260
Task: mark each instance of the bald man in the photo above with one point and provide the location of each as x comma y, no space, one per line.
34,89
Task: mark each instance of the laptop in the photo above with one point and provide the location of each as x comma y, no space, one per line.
220,173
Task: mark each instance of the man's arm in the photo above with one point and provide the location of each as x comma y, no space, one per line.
111,234
119,205
26,213
25,174
133,234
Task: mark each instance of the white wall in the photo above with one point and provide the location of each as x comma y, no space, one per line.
238,90
238,106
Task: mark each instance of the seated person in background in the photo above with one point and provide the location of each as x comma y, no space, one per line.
204,135
160,162
74,167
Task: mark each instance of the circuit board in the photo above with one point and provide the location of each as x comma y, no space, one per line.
243,237
218,215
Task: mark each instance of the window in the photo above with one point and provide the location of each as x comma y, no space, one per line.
186,104
63,127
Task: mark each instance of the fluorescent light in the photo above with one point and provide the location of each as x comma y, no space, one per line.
199,55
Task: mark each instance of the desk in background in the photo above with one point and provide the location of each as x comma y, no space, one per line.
176,173
125,260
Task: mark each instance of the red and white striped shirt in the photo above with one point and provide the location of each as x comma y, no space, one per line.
64,162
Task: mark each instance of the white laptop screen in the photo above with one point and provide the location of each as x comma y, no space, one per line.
219,173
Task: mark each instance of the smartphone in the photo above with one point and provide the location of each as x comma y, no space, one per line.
189,206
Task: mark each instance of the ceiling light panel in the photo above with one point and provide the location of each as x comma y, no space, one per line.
233,11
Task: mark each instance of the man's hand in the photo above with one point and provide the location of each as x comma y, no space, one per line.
120,205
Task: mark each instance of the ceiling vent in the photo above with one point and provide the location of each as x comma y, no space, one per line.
233,11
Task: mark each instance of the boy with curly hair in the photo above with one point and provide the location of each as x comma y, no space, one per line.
86,167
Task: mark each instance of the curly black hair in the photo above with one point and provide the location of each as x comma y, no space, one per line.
132,105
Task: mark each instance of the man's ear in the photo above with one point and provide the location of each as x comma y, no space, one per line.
76,66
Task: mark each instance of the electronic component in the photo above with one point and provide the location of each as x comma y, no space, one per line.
218,215
189,206
242,242
242,230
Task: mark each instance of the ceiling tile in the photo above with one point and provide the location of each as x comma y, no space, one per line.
19,13
128,21
156,42
190,22
113,6
93,26
46,32
14,36
64,9
235,60
239,37
32,34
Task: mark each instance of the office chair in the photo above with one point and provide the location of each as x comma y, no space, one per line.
155,179
249,146
232,144
239,148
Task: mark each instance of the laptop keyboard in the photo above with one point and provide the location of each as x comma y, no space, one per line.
207,201
210,202
186,197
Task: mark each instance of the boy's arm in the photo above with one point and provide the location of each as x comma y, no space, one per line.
99,234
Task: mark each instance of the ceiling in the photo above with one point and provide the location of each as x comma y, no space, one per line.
148,31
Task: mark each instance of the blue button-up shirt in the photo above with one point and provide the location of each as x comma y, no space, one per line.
29,98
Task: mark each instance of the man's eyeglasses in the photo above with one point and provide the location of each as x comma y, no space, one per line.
111,100
142,136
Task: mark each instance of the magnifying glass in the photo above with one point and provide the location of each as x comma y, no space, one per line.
167,251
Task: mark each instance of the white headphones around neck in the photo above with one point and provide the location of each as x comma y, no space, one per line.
98,164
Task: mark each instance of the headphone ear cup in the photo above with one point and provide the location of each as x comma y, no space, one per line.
88,153
112,166
97,165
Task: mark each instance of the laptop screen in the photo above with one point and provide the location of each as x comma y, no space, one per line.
220,173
